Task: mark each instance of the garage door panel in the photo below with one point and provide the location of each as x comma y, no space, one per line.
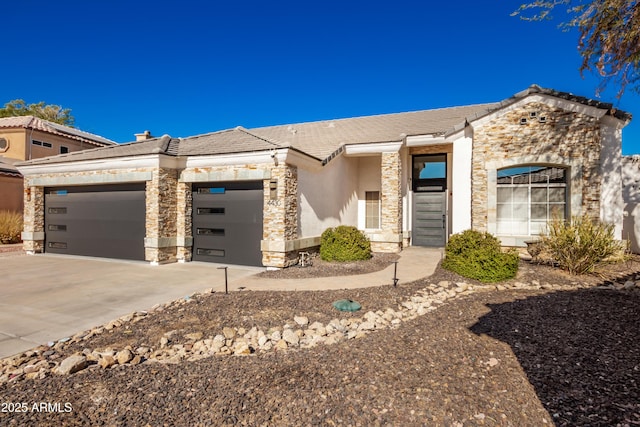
227,222
101,221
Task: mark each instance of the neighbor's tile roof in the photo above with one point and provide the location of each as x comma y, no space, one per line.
7,167
30,122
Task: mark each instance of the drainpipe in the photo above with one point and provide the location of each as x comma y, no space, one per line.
30,142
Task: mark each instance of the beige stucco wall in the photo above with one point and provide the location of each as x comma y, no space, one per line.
16,139
631,197
11,193
328,197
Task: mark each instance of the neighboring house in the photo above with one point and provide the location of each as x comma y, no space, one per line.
26,138
259,196
11,186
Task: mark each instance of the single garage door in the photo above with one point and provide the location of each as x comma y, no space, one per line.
227,222
99,220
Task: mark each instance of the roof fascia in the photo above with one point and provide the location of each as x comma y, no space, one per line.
372,148
130,162
423,140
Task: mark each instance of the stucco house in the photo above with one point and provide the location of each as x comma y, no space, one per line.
27,137
259,196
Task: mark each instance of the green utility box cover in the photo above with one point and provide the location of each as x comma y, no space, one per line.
347,305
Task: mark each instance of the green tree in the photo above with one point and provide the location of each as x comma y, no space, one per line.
609,36
50,112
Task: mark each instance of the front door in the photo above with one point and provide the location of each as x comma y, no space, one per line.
429,212
429,219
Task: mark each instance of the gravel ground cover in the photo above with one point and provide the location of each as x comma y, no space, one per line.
567,353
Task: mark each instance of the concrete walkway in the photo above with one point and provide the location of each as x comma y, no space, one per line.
47,297
414,263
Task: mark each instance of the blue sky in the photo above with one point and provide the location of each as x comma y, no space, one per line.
195,66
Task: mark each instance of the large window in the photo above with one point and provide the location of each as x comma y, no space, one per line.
528,197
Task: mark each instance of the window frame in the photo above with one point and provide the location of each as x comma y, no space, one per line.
372,210
534,224
41,143
427,185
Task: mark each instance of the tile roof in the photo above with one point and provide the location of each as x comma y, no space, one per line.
228,141
321,139
31,122
7,167
164,144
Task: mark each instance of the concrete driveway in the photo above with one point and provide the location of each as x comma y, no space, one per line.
46,297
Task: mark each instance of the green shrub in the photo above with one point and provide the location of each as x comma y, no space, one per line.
479,256
344,243
10,227
579,245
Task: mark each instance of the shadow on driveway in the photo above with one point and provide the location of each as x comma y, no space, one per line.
580,350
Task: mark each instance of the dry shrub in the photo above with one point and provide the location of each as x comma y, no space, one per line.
10,227
581,244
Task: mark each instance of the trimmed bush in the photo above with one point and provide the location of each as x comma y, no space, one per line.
579,245
10,227
344,243
479,256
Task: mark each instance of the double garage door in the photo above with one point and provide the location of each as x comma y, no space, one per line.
109,221
99,220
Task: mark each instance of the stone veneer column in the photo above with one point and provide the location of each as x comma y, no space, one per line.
160,240
33,228
280,222
184,233
391,205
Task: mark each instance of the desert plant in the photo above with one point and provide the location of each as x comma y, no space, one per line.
344,243
479,256
10,226
582,243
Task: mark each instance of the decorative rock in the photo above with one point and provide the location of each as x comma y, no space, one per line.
229,333
276,336
241,348
301,320
194,336
71,365
124,356
290,337
629,284
30,369
107,361
281,345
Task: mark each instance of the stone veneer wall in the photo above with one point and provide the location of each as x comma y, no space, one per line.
390,239
569,138
33,236
184,229
161,217
280,217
